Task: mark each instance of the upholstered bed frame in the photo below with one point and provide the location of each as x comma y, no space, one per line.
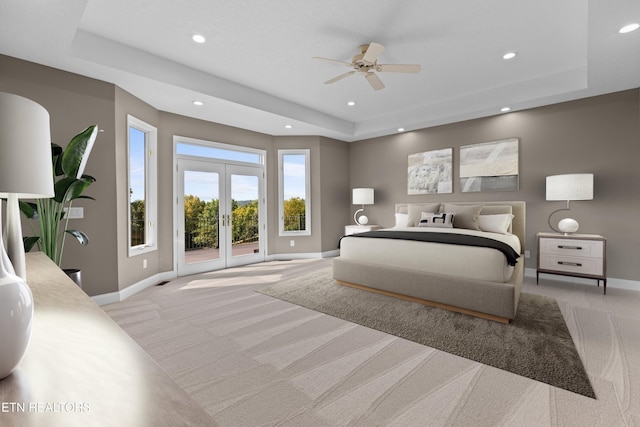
491,300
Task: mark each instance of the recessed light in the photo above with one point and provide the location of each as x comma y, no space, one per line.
351,103
628,28
400,129
509,55
505,109
198,103
288,126
198,38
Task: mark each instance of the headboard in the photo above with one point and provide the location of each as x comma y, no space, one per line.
519,210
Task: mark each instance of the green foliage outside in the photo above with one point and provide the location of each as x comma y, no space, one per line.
201,221
137,223
294,214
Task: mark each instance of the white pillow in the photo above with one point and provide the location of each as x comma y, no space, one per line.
500,223
402,220
441,220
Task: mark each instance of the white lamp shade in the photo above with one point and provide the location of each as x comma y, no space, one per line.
363,196
25,148
578,186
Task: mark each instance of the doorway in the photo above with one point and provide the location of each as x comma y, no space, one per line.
220,215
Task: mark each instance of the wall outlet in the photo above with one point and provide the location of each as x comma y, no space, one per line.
292,243
74,213
144,263
527,254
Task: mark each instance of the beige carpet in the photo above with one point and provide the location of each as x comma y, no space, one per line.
253,360
536,344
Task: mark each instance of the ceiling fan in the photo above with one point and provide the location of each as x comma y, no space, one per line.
366,62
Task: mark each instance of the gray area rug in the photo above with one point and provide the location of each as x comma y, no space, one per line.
536,344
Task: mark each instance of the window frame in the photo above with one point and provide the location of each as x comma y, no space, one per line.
151,185
307,164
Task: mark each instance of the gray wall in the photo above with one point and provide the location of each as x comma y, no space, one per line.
75,102
599,135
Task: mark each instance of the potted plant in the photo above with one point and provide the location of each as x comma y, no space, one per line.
69,184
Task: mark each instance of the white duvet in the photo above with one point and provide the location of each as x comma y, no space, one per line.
455,260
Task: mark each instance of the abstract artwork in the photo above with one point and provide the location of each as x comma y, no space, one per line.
489,166
430,172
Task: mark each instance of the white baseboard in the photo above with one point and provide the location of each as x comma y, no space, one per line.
612,282
131,290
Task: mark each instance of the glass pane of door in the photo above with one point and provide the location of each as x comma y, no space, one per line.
200,207
201,213
245,215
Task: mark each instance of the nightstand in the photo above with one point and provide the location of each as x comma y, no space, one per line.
353,229
577,255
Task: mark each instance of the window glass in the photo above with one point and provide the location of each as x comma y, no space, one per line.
142,181
217,153
295,214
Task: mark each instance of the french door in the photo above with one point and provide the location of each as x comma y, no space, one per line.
220,215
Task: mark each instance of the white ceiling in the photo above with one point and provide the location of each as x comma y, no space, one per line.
256,69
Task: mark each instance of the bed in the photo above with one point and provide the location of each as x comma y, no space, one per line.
461,256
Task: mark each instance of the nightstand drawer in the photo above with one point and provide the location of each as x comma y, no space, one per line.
588,266
572,247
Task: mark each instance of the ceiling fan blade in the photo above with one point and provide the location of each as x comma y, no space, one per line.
348,64
372,53
340,77
374,81
399,68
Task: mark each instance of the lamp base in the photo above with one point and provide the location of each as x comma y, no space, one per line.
568,225
16,315
362,220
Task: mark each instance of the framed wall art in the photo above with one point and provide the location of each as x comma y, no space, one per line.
430,172
489,166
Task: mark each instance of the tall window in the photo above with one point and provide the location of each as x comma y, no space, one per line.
294,192
142,143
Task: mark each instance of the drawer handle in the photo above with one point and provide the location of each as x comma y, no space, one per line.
574,264
579,248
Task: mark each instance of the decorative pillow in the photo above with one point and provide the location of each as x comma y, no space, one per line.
442,220
402,219
495,223
466,216
415,212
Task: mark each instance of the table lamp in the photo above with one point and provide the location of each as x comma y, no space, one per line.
578,186
362,196
25,172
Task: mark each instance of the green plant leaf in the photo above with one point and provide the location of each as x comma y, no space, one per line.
56,159
68,188
76,154
80,236
28,209
29,242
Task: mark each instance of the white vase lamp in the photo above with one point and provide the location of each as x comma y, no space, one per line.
16,314
568,187
25,172
362,196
